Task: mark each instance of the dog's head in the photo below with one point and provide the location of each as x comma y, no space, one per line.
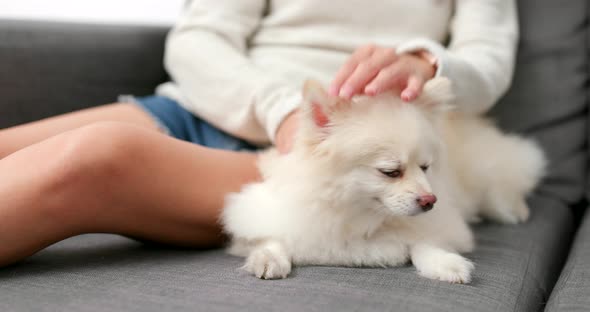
380,149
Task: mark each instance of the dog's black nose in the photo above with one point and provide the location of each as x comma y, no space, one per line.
427,207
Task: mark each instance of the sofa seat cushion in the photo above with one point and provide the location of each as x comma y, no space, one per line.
516,267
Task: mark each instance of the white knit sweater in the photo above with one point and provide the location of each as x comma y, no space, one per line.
240,64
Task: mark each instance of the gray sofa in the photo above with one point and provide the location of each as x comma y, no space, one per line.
51,68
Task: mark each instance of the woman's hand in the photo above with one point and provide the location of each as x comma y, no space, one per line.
286,132
372,70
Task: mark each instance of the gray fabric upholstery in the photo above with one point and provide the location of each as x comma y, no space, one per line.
548,98
516,267
572,292
50,68
588,96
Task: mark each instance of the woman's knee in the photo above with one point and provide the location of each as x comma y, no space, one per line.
91,163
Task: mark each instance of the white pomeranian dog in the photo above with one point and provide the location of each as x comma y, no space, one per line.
378,182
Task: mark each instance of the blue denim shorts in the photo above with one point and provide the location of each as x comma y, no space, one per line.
181,124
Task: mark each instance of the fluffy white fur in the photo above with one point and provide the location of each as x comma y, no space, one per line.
330,202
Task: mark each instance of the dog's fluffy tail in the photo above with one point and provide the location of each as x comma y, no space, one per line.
520,164
496,170
517,170
500,159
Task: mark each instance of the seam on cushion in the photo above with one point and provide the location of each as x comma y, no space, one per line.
528,262
536,284
566,271
526,272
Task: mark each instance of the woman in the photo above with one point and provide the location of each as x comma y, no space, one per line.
148,168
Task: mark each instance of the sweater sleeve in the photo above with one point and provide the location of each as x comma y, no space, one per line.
481,53
206,56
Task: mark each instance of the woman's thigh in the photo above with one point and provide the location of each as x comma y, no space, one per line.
161,188
18,137
113,177
119,178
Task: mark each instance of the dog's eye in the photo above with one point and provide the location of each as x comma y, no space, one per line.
424,168
391,173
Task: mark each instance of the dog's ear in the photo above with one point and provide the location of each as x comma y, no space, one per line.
437,95
317,104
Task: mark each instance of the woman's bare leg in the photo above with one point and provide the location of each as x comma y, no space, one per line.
15,138
115,178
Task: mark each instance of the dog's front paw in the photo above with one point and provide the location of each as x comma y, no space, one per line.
450,268
268,262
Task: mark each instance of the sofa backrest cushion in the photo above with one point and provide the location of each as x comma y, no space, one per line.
49,68
549,96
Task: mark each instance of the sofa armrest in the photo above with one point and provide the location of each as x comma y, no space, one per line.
48,68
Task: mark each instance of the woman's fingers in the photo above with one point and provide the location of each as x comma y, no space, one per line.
413,88
366,71
349,67
389,78
373,70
